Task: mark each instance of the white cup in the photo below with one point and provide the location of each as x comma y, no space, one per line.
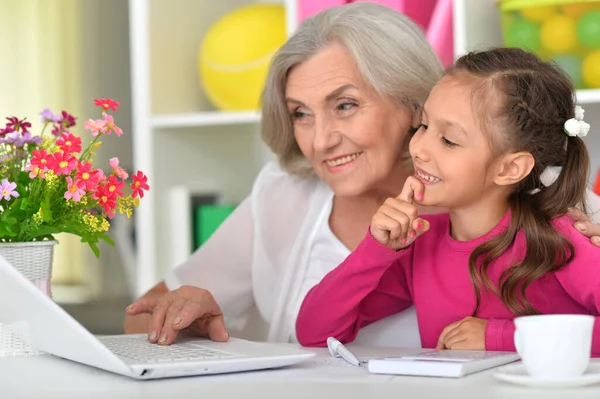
554,346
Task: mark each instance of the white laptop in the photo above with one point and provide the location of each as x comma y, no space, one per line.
52,330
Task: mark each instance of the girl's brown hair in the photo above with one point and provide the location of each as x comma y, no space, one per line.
528,102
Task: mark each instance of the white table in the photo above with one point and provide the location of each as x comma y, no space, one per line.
49,377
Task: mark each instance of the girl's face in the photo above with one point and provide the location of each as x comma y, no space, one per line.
451,154
352,137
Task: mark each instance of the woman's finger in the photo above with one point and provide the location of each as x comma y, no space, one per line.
578,215
168,333
158,317
141,306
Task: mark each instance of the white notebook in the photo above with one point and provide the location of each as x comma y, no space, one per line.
444,363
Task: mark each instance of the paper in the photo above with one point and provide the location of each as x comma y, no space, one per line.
318,369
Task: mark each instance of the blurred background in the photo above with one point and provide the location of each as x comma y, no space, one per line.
188,74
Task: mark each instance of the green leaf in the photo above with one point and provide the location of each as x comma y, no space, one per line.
24,204
5,230
46,212
7,218
95,249
106,238
46,230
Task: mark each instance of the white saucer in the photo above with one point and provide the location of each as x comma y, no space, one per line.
516,374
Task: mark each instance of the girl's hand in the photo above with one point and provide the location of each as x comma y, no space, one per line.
397,224
467,334
584,225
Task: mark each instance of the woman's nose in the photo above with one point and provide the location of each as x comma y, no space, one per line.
327,134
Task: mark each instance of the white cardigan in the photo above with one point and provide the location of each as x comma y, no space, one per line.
256,259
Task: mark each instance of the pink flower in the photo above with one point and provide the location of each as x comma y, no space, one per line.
35,171
97,126
69,143
87,178
7,189
139,184
120,172
73,192
106,103
40,159
113,185
110,125
62,163
106,200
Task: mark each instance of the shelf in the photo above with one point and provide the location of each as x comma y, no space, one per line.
588,96
207,118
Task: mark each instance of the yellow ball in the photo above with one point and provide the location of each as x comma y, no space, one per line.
538,14
559,34
591,69
235,54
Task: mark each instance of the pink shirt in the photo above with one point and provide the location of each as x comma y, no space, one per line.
375,282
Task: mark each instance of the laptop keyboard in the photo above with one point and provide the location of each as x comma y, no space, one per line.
141,350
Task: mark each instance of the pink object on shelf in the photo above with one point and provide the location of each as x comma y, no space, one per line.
308,8
439,31
435,16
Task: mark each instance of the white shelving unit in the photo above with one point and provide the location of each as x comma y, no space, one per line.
179,140
181,148
477,25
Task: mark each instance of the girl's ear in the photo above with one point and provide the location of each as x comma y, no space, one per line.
513,168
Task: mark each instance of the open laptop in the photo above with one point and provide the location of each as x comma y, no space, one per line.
52,330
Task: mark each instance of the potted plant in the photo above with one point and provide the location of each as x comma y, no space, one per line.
49,185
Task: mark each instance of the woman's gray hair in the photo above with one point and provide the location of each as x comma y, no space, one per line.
391,52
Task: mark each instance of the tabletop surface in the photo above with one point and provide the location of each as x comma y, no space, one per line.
46,376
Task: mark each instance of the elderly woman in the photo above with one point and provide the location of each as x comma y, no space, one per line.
341,100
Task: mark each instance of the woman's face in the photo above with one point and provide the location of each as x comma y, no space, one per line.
354,139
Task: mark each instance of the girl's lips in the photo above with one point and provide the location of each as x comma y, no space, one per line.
426,177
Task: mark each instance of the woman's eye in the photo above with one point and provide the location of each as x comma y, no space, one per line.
423,126
298,115
448,143
346,106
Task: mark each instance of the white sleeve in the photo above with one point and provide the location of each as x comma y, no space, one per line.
593,204
223,266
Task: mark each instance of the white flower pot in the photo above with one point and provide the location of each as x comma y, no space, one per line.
34,261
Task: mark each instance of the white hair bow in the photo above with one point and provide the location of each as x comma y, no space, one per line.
576,126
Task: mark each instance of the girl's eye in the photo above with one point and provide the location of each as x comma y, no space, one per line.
448,143
424,126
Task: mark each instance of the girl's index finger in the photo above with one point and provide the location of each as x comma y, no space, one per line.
412,190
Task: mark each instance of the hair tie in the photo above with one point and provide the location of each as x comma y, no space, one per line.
576,126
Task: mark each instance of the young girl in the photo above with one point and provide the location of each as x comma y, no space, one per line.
494,130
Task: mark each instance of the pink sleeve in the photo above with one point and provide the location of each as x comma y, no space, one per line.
499,335
369,285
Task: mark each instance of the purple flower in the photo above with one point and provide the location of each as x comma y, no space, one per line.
19,140
27,138
10,138
49,117
7,189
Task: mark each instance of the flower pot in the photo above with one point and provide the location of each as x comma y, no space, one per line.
34,261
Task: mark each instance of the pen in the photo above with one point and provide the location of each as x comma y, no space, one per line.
337,349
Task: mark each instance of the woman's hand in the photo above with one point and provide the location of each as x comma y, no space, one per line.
584,225
396,223
187,308
467,334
